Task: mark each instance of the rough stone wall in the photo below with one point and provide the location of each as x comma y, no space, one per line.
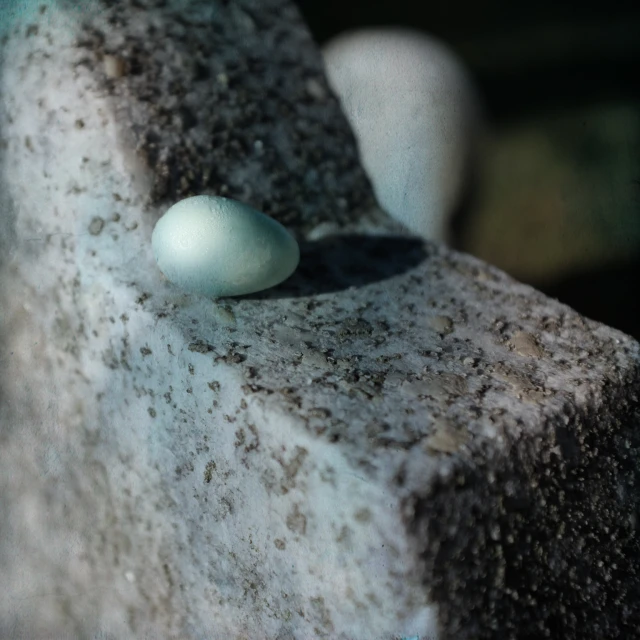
398,440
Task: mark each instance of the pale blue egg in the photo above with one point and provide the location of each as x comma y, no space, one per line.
218,247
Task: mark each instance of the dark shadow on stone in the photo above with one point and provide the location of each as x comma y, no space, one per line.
336,263
539,539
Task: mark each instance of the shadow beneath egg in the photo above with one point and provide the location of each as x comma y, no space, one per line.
337,263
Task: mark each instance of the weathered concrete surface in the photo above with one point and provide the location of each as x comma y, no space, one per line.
399,440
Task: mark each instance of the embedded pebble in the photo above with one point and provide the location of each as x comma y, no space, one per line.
216,247
525,344
96,226
441,324
114,66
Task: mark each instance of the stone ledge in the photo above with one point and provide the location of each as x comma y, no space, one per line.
399,440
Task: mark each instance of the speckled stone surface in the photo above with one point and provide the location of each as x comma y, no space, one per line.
399,440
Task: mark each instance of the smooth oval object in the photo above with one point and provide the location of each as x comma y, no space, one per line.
217,247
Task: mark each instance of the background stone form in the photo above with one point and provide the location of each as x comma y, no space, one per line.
398,440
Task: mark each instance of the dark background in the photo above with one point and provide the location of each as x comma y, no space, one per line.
526,60
584,53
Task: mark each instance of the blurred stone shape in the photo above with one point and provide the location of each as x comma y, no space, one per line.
416,116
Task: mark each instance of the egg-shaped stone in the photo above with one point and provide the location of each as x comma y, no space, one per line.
415,114
217,247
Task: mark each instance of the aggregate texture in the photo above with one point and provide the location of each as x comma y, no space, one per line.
399,440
